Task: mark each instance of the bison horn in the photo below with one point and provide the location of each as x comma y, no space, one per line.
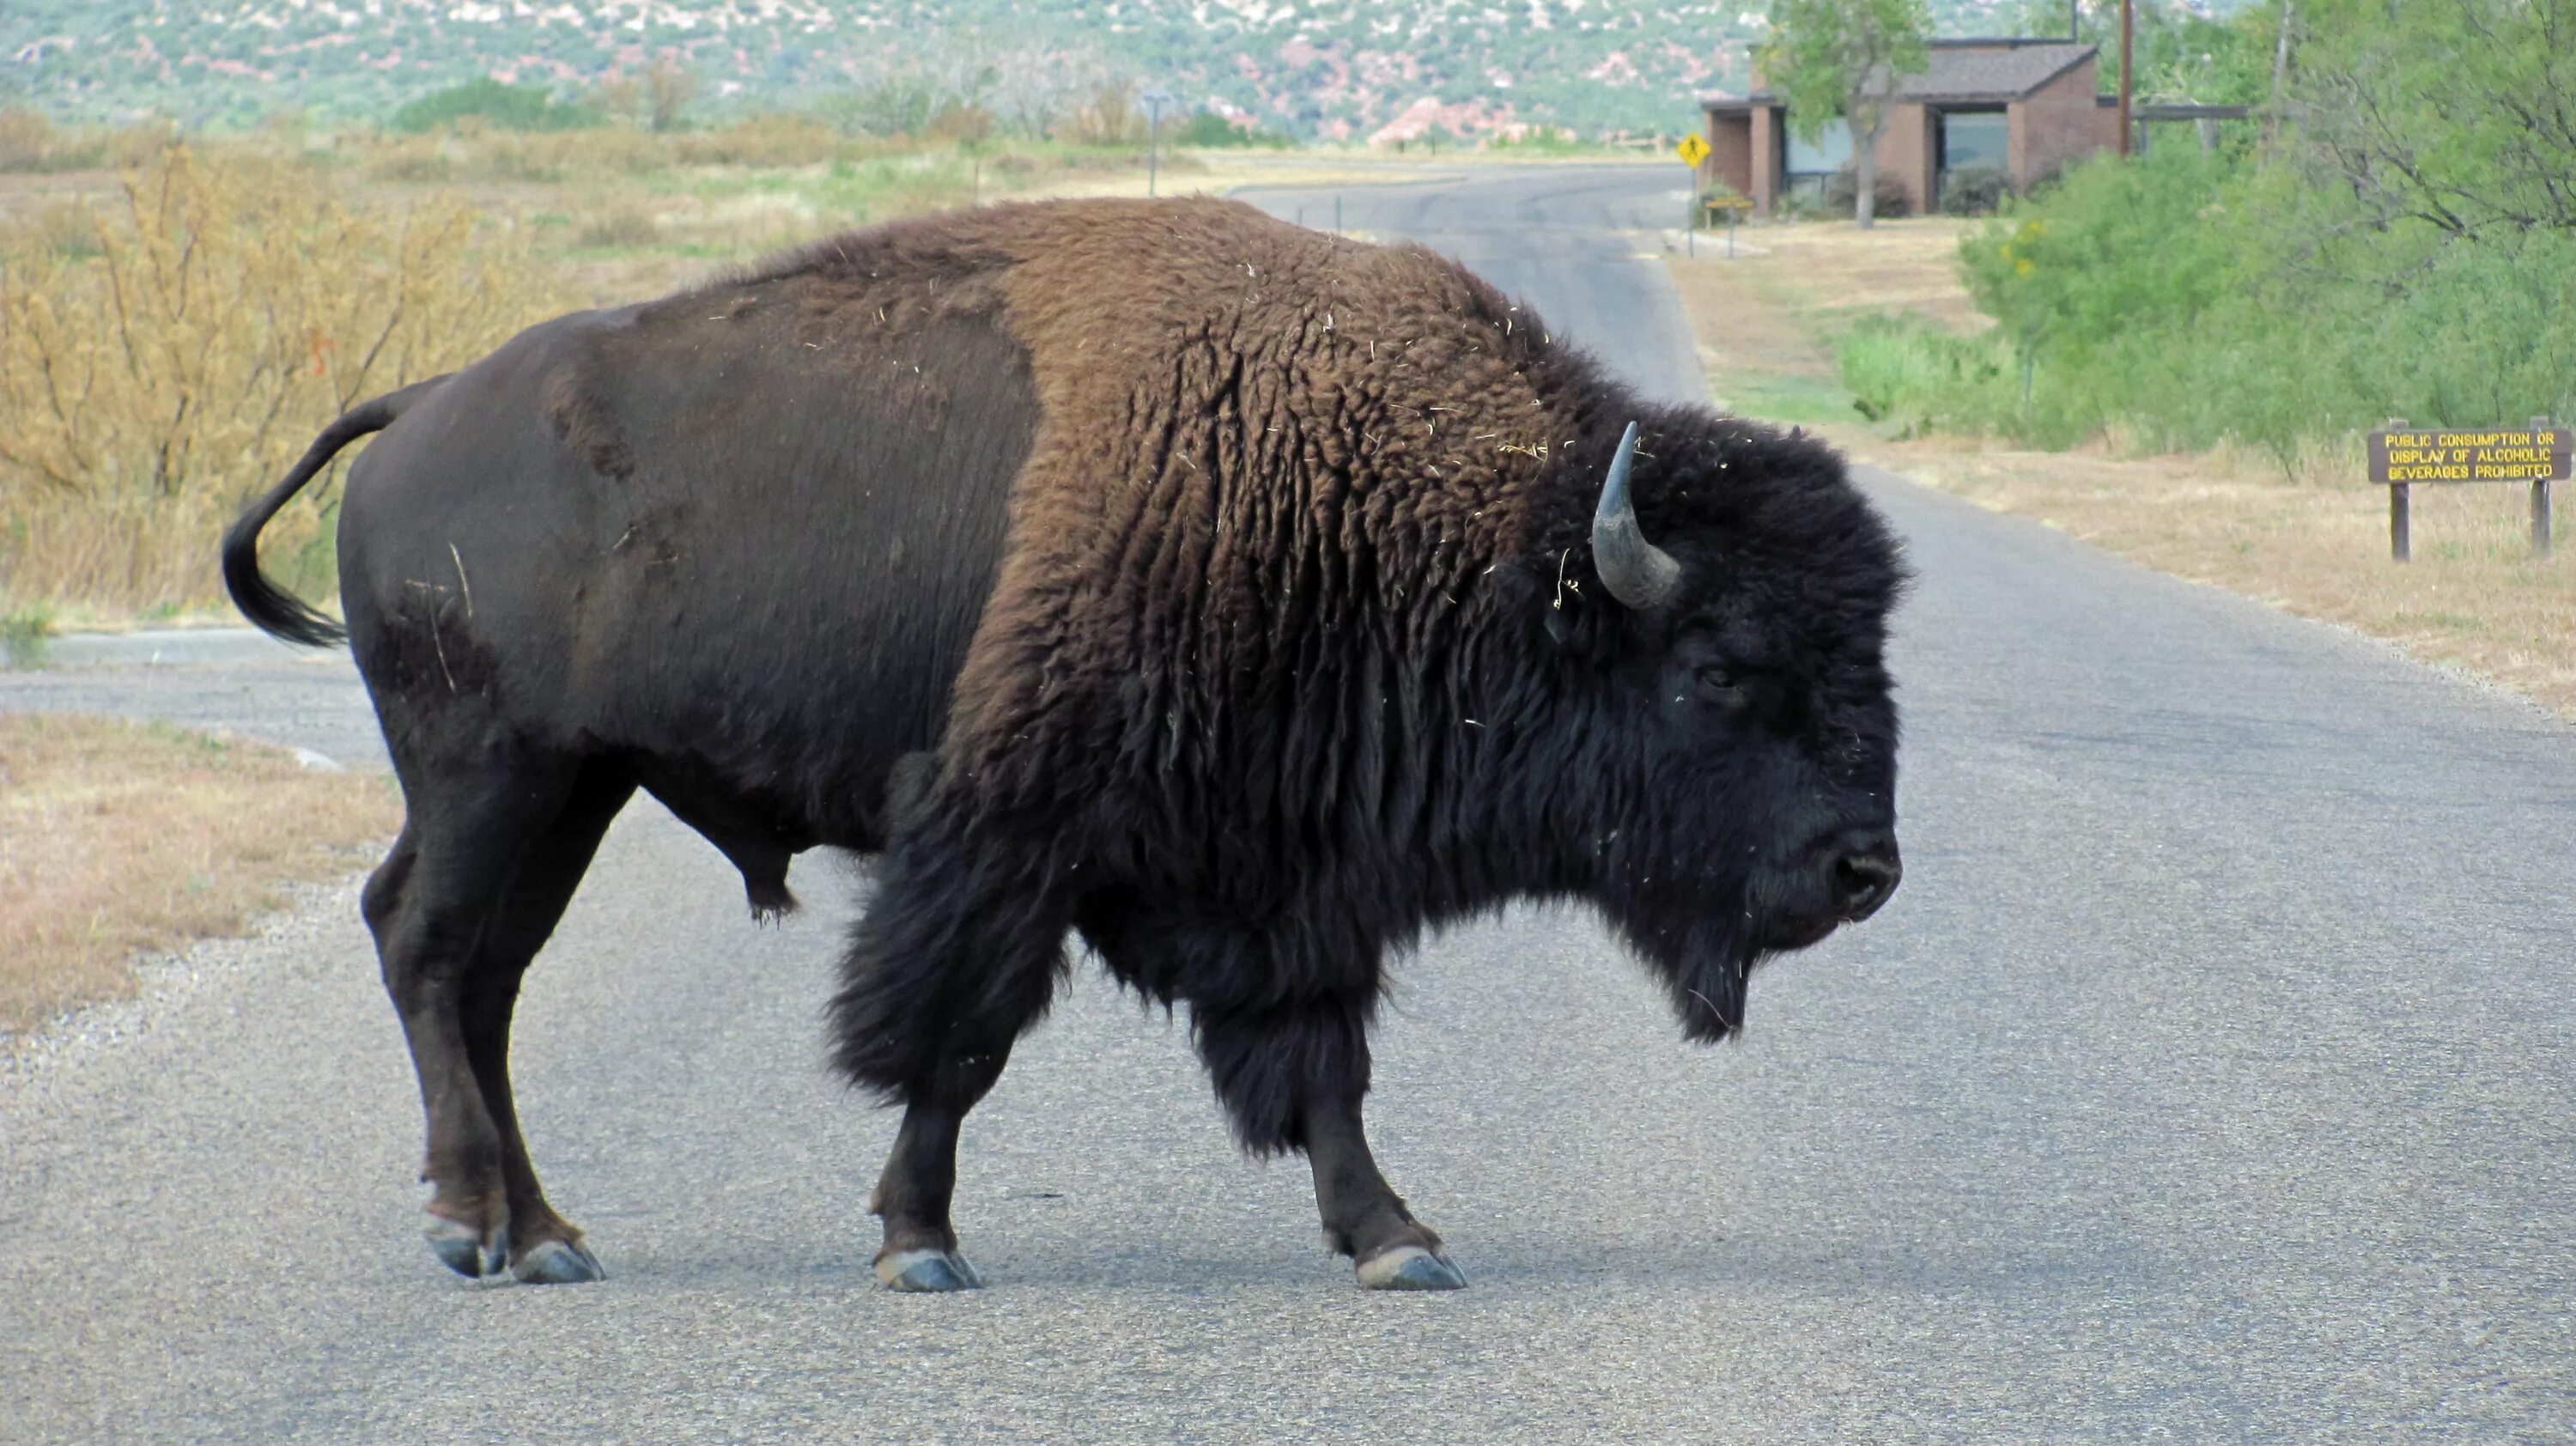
1639,574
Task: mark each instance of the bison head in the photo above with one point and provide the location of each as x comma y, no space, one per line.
1735,707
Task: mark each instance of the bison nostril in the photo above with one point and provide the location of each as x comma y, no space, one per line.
1863,882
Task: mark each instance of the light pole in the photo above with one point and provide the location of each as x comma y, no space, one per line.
1154,101
2128,36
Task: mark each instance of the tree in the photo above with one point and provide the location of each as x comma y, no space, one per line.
1113,118
503,107
1846,60
2459,115
654,99
668,89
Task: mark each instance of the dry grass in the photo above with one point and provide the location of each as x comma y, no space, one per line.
118,837
30,142
1764,319
1831,270
1213,173
2314,543
553,157
214,314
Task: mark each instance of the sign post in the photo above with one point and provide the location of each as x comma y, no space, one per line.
1692,150
2540,492
1154,101
2401,456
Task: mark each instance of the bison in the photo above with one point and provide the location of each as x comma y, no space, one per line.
1244,599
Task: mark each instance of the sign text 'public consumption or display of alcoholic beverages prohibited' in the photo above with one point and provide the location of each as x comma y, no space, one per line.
2401,456
2470,454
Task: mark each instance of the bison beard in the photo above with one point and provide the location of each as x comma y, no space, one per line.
1243,600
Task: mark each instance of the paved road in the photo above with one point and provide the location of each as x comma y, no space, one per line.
2210,1079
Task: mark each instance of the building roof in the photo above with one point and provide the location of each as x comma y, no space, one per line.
1966,71
1993,70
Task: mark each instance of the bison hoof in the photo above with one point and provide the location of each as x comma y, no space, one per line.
1409,1267
927,1271
557,1262
470,1253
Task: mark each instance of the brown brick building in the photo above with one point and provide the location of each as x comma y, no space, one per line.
2025,107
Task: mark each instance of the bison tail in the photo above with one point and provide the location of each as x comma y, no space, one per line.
273,609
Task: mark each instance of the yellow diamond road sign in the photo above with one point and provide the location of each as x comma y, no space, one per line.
1692,150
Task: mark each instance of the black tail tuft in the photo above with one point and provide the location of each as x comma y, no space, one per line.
273,609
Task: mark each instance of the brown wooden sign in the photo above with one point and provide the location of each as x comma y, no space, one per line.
2401,456
2471,454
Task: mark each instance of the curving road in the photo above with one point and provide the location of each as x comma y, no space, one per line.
2213,1077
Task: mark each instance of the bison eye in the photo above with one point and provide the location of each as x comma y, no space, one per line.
1719,686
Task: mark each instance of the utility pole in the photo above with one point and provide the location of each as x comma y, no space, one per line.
2128,37
1154,101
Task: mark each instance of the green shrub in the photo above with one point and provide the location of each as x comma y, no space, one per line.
1208,130
500,106
1842,191
1975,191
1918,377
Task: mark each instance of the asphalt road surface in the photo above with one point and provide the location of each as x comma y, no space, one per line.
2209,1079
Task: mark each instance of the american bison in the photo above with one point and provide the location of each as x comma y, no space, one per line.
1244,599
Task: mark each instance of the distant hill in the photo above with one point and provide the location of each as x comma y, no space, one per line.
1309,68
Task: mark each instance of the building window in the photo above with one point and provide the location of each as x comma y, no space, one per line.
1973,141
1972,138
1804,167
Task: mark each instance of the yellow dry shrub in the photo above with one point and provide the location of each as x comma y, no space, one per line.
762,141
233,305
472,151
30,142
26,138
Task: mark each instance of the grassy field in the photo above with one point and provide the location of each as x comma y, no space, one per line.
117,837
2313,540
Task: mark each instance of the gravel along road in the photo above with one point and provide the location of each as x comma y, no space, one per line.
2210,1079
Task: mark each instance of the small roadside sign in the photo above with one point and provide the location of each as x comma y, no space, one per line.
2401,456
1692,150
2535,453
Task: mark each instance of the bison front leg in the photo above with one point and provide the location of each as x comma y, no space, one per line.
957,957
1293,1078
920,1177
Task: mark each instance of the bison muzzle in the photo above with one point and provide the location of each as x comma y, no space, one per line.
1242,599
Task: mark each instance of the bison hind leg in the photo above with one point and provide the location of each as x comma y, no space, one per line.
489,857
